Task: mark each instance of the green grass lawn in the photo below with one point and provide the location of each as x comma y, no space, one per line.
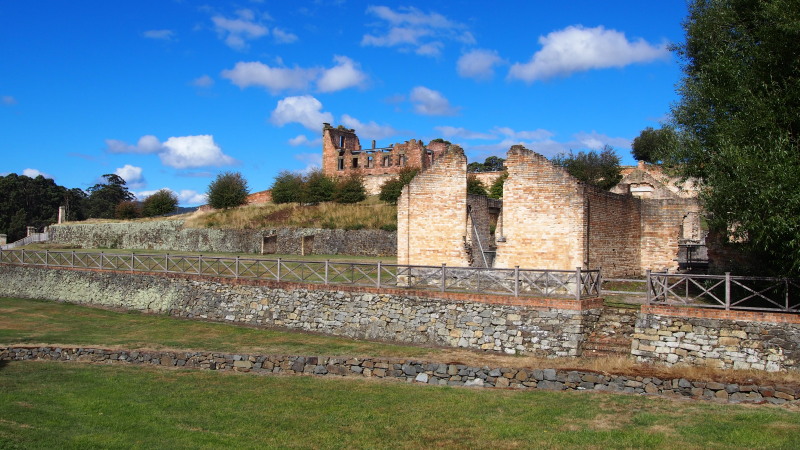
77,405
69,405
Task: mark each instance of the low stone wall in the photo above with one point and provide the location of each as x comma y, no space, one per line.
452,374
717,338
546,327
171,235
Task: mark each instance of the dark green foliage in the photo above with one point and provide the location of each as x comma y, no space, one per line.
287,188
391,190
490,164
496,189
475,186
104,197
738,123
228,190
127,210
651,144
317,188
350,190
160,203
440,140
598,169
26,201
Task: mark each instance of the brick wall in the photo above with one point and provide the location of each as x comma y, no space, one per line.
484,214
614,233
543,215
431,214
661,231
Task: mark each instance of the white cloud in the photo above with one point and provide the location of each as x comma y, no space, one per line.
463,133
132,176
146,144
283,37
33,173
478,64
204,81
408,28
274,79
539,134
191,198
312,160
345,74
9,100
369,130
305,110
237,31
431,103
302,139
193,151
164,35
596,141
576,49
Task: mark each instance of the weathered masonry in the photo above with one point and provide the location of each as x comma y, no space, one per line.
547,219
343,155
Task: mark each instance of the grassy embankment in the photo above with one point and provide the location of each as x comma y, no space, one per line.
69,405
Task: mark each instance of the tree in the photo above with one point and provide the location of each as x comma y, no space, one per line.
228,190
104,197
350,189
475,186
287,188
391,189
651,144
490,164
738,124
26,201
160,203
317,188
496,189
598,169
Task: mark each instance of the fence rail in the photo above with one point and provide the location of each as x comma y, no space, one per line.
724,291
517,282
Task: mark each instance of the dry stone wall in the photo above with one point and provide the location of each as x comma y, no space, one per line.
431,373
172,236
385,314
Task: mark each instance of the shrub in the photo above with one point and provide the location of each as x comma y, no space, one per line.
317,187
350,190
496,190
475,186
287,188
127,209
228,190
162,202
391,190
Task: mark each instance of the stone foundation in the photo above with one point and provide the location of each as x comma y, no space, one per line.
545,327
717,338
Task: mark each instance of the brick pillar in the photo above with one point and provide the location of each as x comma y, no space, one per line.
62,214
31,230
3,239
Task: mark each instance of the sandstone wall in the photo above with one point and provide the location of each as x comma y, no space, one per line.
716,338
432,214
395,315
661,230
543,215
170,235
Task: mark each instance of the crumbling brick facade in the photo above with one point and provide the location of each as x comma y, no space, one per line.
432,214
342,155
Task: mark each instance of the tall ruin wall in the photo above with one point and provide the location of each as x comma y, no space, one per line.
662,222
543,215
432,214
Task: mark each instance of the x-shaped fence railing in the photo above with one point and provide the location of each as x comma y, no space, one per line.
724,291
518,282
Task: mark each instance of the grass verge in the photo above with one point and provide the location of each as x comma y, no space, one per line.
64,405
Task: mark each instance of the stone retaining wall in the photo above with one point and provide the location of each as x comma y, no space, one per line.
546,327
171,235
717,338
452,374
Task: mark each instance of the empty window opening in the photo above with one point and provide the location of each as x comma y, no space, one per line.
307,245
355,163
401,160
269,246
340,164
387,161
341,141
370,162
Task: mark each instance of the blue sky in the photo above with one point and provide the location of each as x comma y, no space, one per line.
168,94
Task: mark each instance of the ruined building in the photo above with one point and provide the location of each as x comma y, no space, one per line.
343,155
547,220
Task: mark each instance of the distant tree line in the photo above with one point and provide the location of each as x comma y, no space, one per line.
316,187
